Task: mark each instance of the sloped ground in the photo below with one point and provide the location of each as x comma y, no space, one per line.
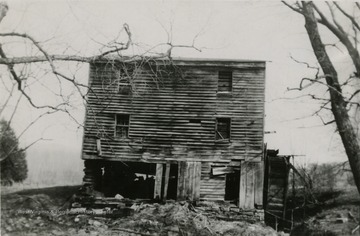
45,212
338,216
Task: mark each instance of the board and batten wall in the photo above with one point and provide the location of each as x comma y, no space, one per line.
173,119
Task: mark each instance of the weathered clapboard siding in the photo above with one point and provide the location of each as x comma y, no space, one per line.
189,180
173,117
211,188
160,113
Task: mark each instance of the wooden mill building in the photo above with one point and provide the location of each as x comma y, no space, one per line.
183,129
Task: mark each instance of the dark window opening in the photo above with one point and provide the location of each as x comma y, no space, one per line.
195,121
225,81
122,125
223,128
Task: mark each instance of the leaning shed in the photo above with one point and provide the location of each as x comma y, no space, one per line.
183,129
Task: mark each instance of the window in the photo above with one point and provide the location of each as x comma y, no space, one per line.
223,128
122,125
225,81
124,77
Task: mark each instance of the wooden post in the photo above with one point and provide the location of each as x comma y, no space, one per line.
158,180
166,183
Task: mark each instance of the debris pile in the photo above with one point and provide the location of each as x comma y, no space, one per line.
185,219
41,215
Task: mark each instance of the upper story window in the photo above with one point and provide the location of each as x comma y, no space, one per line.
223,129
225,81
124,77
122,122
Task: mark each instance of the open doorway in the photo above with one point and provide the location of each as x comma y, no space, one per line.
137,180
173,182
232,186
134,180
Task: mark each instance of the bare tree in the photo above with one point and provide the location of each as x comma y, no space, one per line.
36,67
343,105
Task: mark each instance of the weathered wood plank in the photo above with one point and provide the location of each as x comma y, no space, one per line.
197,181
250,184
188,179
158,181
181,180
243,182
259,184
166,180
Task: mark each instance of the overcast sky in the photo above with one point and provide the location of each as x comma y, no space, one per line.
262,30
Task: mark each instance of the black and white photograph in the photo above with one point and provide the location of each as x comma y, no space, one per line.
179,118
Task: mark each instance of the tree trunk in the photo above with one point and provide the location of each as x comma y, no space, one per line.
338,104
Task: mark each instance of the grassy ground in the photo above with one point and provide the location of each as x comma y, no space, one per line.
35,211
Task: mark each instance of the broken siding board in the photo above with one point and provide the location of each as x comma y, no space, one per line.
158,181
216,170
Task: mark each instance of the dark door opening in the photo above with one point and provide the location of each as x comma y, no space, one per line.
232,186
173,182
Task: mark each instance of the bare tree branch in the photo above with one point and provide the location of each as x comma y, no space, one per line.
351,18
11,68
338,31
335,29
296,9
7,99
313,81
325,122
124,47
354,94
